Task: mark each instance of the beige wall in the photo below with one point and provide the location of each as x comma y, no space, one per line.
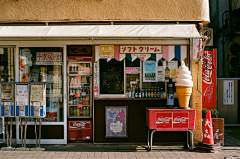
91,10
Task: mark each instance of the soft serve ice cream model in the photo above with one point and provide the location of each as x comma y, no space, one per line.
183,85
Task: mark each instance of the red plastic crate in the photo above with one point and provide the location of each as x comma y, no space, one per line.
80,130
170,119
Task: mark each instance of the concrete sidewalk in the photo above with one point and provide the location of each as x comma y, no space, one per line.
86,150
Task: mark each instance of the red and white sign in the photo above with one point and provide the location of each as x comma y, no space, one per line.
209,80
170,119
132,70
77,125
140,49
164,120
51,116
49,56
80,130
96,91
180,120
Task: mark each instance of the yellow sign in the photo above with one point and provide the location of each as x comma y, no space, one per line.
106,51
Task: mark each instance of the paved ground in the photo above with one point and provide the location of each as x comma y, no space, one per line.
230,150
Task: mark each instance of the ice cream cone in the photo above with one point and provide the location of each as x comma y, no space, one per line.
184,94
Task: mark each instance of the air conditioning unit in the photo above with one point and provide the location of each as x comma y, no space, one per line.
209,33
234,52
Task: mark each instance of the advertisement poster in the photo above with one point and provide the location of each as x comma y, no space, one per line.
37,93
172,67
161,75
106,51
7,92
150,71
22,94
116,121
23,68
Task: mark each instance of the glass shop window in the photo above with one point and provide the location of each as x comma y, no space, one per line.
7,73
45,64
111,77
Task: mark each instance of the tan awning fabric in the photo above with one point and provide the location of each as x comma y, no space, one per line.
98,31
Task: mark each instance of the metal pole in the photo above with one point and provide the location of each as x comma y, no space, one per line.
40,123
36,130
11,133
21,131
25,133
7,132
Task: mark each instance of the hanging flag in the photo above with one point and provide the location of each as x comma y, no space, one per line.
180,52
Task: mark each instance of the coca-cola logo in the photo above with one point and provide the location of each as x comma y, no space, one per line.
178,120
165,120
207,67
81,125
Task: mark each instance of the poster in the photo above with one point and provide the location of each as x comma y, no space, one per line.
106,51
22,94
116,121
7,92
36,93
172,66
150,71
228,92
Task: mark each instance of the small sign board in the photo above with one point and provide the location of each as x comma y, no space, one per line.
79,50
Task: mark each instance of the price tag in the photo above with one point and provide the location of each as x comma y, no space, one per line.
77,95
79,72
79,105
79,77
86,69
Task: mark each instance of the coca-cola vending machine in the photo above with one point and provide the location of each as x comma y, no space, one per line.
209,79
80,130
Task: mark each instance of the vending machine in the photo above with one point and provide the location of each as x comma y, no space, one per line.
37,100
22,99
80,96
7,100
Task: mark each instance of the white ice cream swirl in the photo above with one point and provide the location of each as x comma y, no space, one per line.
183,76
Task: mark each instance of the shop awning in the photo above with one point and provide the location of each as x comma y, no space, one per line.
100,31
167,52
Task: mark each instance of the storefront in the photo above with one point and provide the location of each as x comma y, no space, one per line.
101,65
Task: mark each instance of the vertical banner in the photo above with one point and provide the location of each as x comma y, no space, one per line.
209,80
197,48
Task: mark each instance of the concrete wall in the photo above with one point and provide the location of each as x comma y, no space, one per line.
95,10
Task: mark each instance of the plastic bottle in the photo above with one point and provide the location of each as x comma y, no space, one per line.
129,93
143,93
84,111
88,111
161,93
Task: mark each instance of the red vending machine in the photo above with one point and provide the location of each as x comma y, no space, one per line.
209,79
80,130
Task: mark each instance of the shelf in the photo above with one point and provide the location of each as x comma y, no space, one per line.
79,74
54,95
80,85
130,99
79,117
77,105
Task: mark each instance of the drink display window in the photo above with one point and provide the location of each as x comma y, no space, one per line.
7,73
155,77
80,88
111,77
45,64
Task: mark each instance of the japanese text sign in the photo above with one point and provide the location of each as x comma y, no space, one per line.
49,56
141,49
